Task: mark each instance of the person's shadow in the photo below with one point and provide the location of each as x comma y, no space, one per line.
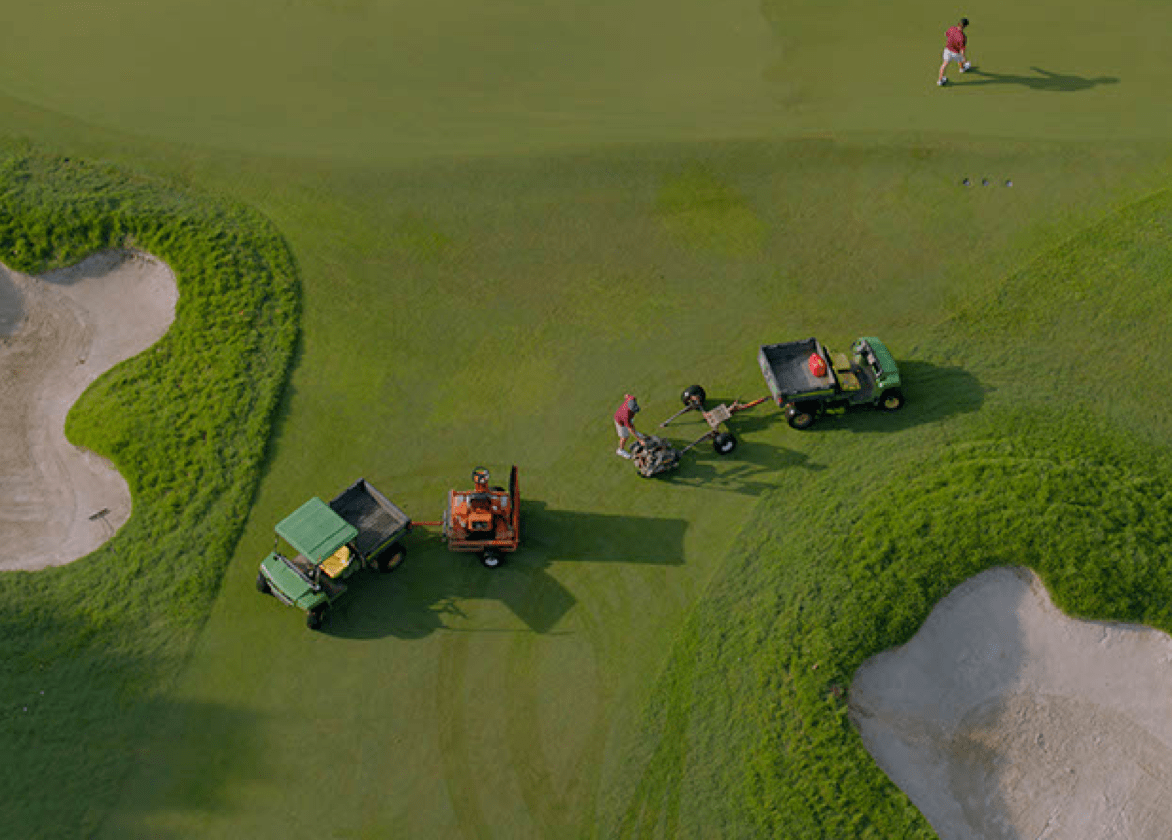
1045,80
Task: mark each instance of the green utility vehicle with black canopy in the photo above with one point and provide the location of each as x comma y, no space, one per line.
807,380
359,529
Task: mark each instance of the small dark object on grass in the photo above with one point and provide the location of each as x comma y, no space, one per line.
1008,183
966,182
984,182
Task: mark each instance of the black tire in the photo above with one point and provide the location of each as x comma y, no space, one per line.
891,400
262,584
492,559
800,417
693,396
316,617
392,557
724,443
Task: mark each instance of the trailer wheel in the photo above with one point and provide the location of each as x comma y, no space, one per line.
799,417
262,584
315,618
693,396
891,400
392,558
491,558
724,443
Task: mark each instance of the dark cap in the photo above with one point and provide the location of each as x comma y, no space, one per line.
964,21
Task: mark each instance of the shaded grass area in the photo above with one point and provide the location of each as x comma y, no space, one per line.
1065,470
186,423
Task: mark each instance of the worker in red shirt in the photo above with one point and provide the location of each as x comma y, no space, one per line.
624,424
955,46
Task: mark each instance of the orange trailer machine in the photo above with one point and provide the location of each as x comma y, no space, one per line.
484,519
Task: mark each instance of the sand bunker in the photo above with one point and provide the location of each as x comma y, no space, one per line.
59,502
1005,718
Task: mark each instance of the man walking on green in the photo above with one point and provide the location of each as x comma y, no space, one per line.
955,45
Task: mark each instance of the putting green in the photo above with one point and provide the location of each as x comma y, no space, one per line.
505,218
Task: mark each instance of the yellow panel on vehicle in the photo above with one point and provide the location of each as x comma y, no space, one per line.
849,381
337,562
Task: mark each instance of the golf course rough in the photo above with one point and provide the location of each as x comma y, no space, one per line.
88,645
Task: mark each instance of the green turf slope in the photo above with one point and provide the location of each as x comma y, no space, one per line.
88,647
1065,469
494,311
504,216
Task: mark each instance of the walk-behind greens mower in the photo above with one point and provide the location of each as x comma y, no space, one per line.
653,455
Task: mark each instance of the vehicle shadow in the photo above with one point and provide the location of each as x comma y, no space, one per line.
422,595
1045,80
932,393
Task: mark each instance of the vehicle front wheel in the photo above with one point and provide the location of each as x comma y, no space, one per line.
491,558
262,584
799,417
891,400
724,443
392,558
315,618
693,396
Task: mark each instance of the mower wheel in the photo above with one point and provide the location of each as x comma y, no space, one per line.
315,618
262,584
891,400
800,416
724,443
693,396
491,558
392,558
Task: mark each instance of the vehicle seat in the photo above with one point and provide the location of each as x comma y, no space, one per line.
338,562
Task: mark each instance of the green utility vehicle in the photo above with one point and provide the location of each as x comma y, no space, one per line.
358,529
807,380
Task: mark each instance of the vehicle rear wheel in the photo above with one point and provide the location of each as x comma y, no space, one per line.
262,584
491,558
891,400
316,617
693,396
799,417
392,558
724,443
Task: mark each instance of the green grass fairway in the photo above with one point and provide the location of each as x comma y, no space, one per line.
503,218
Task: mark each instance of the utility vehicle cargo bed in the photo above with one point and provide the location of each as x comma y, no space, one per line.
786,368
376,517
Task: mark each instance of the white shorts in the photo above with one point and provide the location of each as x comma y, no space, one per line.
949,55
624,431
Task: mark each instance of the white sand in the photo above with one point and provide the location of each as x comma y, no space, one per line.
1005,718
78,322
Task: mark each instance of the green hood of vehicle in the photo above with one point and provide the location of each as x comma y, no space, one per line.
886,361
291,585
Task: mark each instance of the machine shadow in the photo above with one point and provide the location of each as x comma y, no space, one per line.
416,600
751,469
933,393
